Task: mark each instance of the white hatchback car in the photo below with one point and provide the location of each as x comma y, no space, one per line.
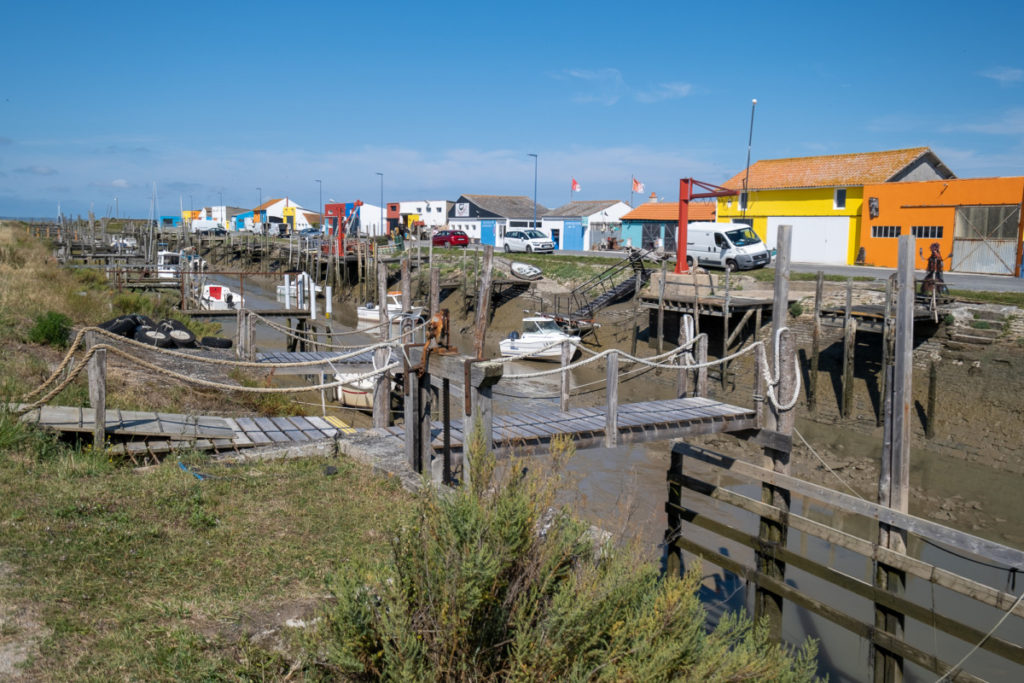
528,241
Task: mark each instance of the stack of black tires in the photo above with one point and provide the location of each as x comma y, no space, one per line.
166,334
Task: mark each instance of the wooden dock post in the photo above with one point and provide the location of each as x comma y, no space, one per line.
481,379
849,346
416,410
725,324
483,303
96,370
611,428
812,374
702,370
661,308
240,343
894,476
564,386
382,387
406,287
774,534
686,352
435,290
887,328
933,387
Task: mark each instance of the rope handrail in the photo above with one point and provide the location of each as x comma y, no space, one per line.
79,339
770,372
312,337
189,379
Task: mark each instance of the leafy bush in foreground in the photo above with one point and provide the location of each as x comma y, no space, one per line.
490,583
51,328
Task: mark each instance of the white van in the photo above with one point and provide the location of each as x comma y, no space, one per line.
726,245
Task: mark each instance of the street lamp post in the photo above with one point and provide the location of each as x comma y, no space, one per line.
534,189
381,201
321,209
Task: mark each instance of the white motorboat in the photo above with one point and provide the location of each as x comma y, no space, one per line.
300,281
219,298
541,338
370,312
168,264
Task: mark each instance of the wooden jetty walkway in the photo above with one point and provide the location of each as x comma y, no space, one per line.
527,433
153,433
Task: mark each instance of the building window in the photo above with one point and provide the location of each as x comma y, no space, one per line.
839,198
742,206
885,231
926,232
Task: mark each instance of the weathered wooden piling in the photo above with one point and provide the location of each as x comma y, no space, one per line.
779,425
894,474
382,387
96,371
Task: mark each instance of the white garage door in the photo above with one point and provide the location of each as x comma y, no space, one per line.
816,239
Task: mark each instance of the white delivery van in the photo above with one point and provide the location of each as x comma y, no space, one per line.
726,245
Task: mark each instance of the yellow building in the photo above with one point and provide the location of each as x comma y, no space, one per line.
821,197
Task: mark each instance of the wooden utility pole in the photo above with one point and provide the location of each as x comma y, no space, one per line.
894,475
778,426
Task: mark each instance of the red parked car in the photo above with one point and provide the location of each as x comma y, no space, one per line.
450,238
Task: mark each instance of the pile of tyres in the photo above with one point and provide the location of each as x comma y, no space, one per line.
166,334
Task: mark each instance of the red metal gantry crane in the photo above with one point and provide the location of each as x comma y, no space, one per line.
686,194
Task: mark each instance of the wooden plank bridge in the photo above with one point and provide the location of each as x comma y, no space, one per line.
530,433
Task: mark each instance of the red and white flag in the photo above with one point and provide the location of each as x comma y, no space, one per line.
575,186
637,186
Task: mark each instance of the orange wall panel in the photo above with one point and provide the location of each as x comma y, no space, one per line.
928,203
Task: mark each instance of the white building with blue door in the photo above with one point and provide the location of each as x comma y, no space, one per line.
583,226
486,217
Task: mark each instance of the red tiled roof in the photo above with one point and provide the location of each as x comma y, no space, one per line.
833,170
669,211
266,205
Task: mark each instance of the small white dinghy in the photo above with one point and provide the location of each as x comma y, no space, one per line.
370,312
541,339
524,271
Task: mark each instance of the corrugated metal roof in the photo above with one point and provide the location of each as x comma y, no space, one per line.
506,206
579,209
669,211
835,170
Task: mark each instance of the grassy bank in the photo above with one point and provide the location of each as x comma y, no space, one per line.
110,574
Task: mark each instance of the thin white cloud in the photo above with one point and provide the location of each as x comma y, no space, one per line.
118,184
36,170
604,86
664,91
1004,75
607,86
1010,123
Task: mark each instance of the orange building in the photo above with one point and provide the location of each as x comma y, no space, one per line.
976,222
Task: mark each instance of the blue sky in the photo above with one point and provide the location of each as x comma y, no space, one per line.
100,100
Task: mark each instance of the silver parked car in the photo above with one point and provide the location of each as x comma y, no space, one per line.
528,241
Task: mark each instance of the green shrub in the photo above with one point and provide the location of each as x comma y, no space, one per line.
796,309
981,324
489,582
51,328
